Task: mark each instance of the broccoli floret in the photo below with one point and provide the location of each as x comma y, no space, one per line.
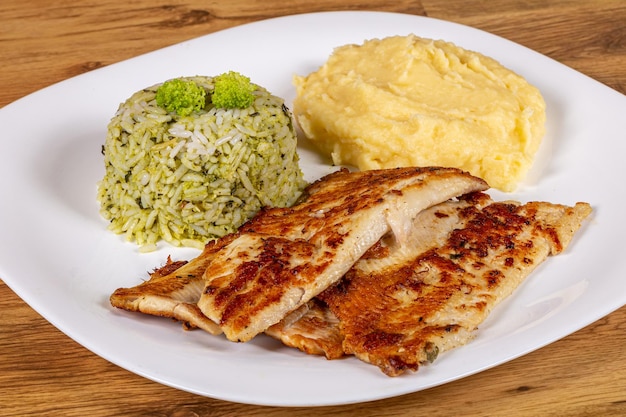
232,90
181,96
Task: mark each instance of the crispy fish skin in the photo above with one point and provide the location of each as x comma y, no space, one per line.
402,309
282,258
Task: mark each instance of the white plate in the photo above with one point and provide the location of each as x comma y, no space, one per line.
56,254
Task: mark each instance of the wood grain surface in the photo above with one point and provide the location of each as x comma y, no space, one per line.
43,372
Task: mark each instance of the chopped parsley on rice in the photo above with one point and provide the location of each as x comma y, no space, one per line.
189,179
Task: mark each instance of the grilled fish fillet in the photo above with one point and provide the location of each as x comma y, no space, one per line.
404,303
421,289
283,257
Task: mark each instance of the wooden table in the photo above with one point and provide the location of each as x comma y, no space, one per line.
43,372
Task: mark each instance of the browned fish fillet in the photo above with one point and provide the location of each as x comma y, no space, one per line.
282,258
173,291
404,303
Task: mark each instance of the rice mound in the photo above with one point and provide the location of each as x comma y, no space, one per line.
190,179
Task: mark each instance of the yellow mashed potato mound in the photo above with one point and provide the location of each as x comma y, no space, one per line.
410,101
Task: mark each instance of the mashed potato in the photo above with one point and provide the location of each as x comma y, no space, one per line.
409,101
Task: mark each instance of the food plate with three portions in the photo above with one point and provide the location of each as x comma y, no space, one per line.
57,255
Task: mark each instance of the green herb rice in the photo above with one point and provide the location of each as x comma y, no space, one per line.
191,178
